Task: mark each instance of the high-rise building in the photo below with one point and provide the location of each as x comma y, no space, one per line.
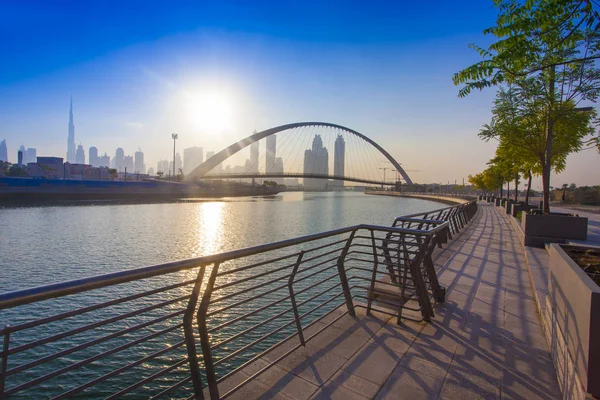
80,155
140,167
20,157
23,150
151,171
178,164
253,165
128,163
104,161
120,159
30,155
163,166
93,157
71,157
192,158
271,153
278,169
339,159
3,151
219,168
316,161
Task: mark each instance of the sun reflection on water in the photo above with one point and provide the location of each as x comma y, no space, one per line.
209,228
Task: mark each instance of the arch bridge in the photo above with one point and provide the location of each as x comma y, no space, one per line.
355,157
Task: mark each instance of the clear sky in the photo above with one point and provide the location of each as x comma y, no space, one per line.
138,69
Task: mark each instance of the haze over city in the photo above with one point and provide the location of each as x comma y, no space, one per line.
215,72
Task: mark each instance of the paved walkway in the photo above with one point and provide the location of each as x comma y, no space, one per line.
485,342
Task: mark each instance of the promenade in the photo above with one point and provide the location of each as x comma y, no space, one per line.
486,341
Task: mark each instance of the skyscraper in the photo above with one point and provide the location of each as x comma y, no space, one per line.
163,166
140,168
219,168
178,164
3,151
271,153
71,157
119,159
31,155
339,158
254,151
93,156
23,150
278,169
80,155
192,158
104,161
128,163
316,161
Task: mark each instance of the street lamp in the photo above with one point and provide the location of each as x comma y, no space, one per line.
174,136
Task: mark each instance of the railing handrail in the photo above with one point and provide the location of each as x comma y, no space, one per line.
437,210
40,293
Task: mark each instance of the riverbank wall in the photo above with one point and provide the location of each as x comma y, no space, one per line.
440,198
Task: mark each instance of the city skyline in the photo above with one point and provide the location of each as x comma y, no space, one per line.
240,68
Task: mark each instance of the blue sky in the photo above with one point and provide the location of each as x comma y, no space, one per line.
383,68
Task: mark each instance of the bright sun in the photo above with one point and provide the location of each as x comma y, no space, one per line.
209,112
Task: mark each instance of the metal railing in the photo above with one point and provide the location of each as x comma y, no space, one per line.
182,328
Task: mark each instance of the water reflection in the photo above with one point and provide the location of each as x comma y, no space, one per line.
209,228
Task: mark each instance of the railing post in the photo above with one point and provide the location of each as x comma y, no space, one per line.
293,298
420,287
209,367
342,274
4,365
190,341
374,275
439,293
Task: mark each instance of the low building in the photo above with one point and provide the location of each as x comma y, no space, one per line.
47,167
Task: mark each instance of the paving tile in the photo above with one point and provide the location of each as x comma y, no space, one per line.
467,384
373,363
415,363
523,386
335,392
485,363
355,383
395,338
341,342
408,384
278,380
254,389
315,366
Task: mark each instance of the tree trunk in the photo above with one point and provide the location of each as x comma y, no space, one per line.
516,187
547,166
508,189
502,190
528,188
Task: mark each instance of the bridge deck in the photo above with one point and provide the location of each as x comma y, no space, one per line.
486,341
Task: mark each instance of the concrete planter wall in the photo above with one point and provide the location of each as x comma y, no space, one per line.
508,206
541,228
574,308
515,208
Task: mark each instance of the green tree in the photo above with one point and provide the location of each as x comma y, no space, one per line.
519,124
477,182
492,179
547,47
